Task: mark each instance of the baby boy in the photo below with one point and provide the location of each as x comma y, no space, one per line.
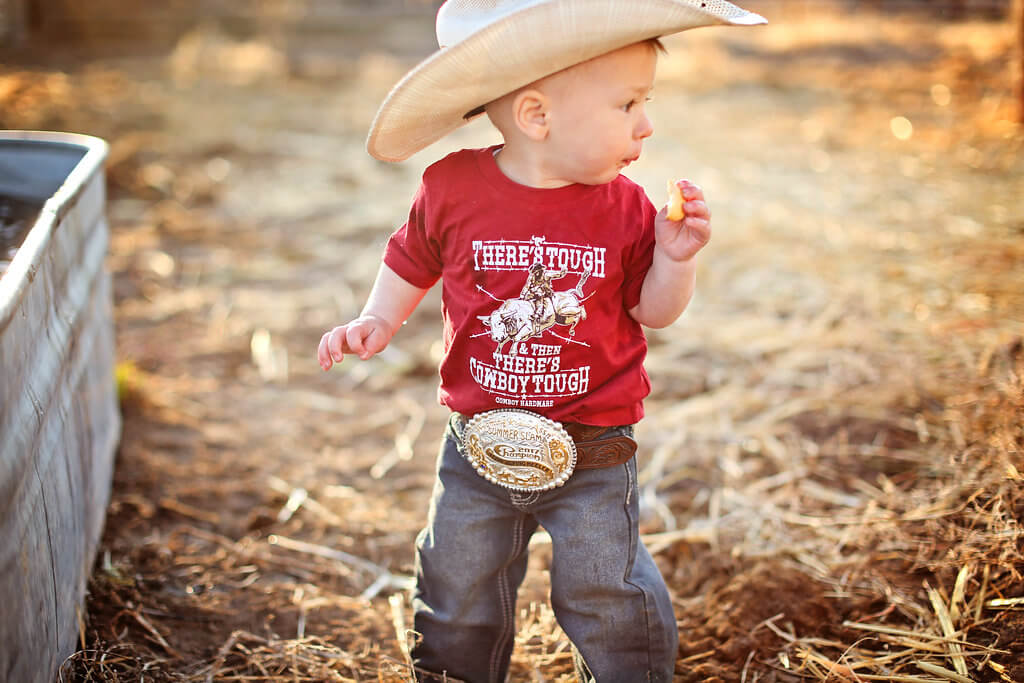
552,262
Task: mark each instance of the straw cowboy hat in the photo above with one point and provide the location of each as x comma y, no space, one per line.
489,48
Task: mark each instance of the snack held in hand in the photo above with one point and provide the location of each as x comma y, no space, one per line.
675,202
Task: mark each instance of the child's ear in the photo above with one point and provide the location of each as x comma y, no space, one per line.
530,113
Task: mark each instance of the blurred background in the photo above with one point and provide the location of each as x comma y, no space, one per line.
159,26
832,454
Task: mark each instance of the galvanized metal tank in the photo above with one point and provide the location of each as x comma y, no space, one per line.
59,418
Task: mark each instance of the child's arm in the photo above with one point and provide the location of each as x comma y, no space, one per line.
670,282
391,301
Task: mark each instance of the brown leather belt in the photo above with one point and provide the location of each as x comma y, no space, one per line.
595,446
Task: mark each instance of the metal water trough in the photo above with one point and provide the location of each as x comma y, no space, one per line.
59,418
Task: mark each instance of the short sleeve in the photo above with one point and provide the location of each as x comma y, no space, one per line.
638,256
413,252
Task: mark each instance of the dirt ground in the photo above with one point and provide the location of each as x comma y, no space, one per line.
832,457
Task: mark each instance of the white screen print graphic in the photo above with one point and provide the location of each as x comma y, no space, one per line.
530,331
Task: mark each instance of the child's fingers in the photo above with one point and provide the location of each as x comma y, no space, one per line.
362,337
690,190
696,208
323,351
337,345
686,199
365,339
322,357
700,228
354,336
374,342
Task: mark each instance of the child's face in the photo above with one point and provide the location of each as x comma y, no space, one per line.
598,121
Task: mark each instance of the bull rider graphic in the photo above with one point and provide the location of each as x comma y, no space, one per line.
537,309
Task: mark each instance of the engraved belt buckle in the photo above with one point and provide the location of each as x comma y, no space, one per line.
519,450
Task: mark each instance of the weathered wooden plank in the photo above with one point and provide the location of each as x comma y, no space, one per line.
59,421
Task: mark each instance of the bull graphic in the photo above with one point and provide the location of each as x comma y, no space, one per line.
537,309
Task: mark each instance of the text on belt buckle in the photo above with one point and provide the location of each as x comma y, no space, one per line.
519,450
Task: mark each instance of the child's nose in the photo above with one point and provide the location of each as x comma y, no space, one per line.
644,128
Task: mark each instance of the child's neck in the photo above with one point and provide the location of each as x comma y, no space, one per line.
526,167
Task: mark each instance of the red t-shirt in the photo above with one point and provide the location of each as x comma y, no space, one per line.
536,288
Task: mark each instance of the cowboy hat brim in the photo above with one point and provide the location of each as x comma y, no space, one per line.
450,87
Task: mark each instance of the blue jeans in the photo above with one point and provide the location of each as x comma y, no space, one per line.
606,591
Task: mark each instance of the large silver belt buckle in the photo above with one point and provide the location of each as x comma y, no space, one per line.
519,450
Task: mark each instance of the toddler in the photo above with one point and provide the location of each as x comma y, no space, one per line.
551,263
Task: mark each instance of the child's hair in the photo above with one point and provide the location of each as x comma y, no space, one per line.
658,46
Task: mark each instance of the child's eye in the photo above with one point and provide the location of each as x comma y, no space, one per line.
632,103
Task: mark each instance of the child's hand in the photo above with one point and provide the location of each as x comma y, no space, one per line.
681,240
364,336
